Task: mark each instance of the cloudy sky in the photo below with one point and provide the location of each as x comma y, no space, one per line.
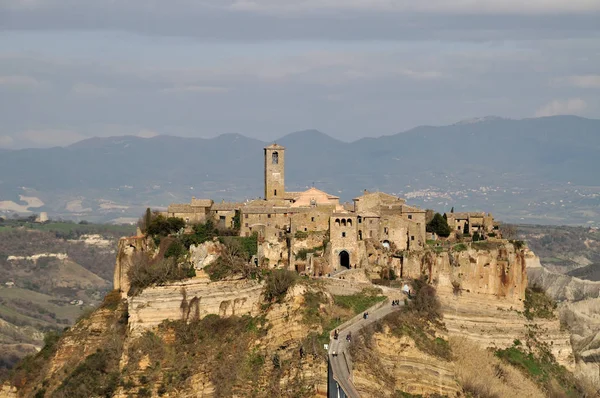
71,69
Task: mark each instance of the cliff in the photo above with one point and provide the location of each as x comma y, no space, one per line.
198,337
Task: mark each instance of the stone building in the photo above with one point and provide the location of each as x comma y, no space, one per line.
471,222
288,223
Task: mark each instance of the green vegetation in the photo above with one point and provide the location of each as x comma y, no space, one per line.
486,245
540,365
144,272
162,226
223,344
97,376
301,235
439,225
31,366
302,253
519,244
461,247
359,302
538,304
248,245
234,260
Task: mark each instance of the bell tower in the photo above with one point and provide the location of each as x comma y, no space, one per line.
274,172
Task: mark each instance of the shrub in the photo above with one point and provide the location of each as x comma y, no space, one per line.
144,273
538,304
233,260
461,247
425,300
176,250
278,283
97,375
519,244
301,235
303,253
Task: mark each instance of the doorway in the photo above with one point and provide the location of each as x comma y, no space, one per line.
345,259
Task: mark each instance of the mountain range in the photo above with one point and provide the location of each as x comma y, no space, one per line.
540,170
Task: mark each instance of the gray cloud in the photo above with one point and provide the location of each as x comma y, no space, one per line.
313,20
71,69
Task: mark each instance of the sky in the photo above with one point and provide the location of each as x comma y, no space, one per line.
72,69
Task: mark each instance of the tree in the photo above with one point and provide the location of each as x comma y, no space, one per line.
439,225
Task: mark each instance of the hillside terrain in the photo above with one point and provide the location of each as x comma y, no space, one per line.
527,171
50,275
180,325
567,250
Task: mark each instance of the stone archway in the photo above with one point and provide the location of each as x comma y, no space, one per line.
344,259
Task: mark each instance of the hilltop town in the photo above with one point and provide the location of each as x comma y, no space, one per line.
317,216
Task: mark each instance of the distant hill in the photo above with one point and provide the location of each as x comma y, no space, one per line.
590,272
50,275
541,170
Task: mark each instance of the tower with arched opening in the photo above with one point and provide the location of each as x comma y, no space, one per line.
274,172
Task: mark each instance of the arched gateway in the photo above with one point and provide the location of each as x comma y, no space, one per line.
344,259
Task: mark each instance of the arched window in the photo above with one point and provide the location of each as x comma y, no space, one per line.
337,222
343,222
359,235
349,222
359,219
275,157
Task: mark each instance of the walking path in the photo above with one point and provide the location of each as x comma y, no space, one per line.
341,364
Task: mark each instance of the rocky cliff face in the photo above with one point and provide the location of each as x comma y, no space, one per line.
481,290
128,250
193,298
580,313
396,364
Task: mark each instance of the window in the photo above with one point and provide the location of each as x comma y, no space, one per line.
222,218
458,227
349,222
370,234
343,222
275,192
337,222
268,215
312,219
385,230
360,220
412,237
305,229
275,158
343,234
410,216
